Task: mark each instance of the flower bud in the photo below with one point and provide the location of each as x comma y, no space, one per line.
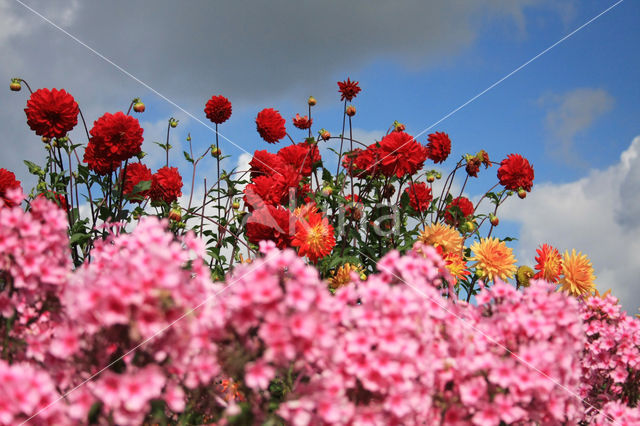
311,101
524,275
175,215
324,135
468,227
494,219
215,151
45,139
173,122
15,85
139,106
398,127
431,178
235,205
351,110
438,175
327,190
522,193
141,155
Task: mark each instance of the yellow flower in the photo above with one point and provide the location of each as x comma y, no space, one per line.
445,236
494,258
342,276
456,266
577,273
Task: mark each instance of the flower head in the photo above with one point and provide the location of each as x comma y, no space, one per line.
303,157
515,172
549,263
314,236
400,154
271,223
458,210
270,125
348,89
51,113
218,109
342,276
456,265
439,147
419,196
166,185
136,173
577,273
494,258
114,138
302,122
361,163
441,235
7,181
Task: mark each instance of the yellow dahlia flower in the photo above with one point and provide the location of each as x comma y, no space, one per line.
441,235
494,258
577,273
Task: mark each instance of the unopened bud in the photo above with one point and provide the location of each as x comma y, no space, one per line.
327,190
351,110
431,178
494,219
235,205
45,139
175,215
15,85
324,135
438,175
215,151
398,127
311,101
522,193
141,155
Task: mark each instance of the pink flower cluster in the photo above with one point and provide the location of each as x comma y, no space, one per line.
611,363
397,348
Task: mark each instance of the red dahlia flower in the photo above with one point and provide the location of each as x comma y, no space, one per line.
272,223
98,159
515,172
56,197
314,236
270,125
400,154
361,163
7,181
348,89
51,113
419,196
439,147
458,210
166,185
116,136
136,173
218,109
302,157
265,163
549,263
302,122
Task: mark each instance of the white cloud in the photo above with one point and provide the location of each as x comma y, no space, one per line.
570,114
598,215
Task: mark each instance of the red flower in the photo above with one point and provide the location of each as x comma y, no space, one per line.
166,185
117,137
400,154
419,196
265,163
56,197
272,189
439,147
51,113
136,173
270,125
7,181
98,160
361,163
303,157
271,223
218,109
314,236
348,89
515,172
458,210
302,122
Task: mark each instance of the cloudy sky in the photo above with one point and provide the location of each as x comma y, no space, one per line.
573,111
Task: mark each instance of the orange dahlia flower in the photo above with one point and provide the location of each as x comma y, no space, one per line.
577,273
494,258
314,236
549,263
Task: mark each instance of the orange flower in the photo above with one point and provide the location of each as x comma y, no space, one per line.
549,263
342,276
440,235
314,236
456,266
494,258
577,273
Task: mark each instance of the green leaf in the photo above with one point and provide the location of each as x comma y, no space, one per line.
34,169
187,156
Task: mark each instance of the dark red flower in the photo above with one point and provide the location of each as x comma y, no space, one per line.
218,109
473,163
419,196
7,181
272,223
348,89
136,173
361,163
270,125
166,185
303,157
265,163
458,211
439,147
117,137
272,189
302,122
515,172
400,154
51,113
56,197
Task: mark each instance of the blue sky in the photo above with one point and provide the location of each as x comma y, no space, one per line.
572,112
